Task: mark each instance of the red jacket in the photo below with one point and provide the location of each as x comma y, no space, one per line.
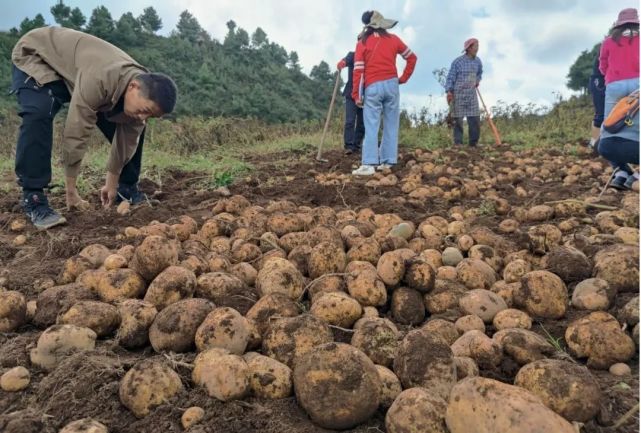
375,60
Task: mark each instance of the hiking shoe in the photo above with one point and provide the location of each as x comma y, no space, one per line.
619,182
384,167
364,170
631,179
36,206
130,193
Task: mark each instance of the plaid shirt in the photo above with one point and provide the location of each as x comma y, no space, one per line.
464,74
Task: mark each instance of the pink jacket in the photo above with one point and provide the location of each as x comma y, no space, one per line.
619,62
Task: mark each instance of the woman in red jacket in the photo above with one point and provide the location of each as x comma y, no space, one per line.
376,89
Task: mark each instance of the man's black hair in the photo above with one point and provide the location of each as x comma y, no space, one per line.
160,89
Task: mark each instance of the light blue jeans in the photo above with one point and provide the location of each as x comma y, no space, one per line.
614,91
383,98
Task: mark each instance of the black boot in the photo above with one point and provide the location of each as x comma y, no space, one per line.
36,206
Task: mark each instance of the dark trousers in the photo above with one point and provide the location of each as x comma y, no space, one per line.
597,89
474,129
620,152
38,106
354,126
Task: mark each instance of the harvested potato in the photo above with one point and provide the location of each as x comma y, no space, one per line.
268,378
369,250
432,257
568,263
565,387
288,339
506,291
425,360
620,369
174,328
192,416
72,268
407,306
153,255
57,300
115,261
85,425
100,317
474,344
95,253
224,376
446,273
378,339
619,266
148,384
593,294
469,323
511,318
475,274
542,294
628,235
451,256
270,307
223,328
119,284
15,379
598,337
444,297
483,405
390,386
225,290
171,285
337,308
326,258
416,410
486,254
544,238
515,270
522,345
465,367
136,318
244,272
630,312
325,385
508,226
325,284
283,223
280,276
328,234
540,213
419,275
364,285
220,246
391,267
444,329
482,303
391,243
299,256
465,242
13,310
58,341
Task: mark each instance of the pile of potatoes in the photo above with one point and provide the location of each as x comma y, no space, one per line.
282,300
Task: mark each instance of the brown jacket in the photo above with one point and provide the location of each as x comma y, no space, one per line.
96,74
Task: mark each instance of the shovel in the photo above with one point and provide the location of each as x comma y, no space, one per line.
497,137
329,115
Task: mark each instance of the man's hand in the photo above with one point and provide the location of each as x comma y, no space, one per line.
450,97
109,191
341,64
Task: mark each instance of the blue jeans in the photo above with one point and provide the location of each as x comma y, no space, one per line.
381,97
614,91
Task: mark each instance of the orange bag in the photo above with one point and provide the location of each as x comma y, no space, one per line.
623,113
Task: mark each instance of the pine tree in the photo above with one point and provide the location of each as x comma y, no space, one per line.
149,20
188,27
101,24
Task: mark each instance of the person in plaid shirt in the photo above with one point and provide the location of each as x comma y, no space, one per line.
462,80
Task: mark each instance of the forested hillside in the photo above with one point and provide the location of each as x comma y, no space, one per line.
242,76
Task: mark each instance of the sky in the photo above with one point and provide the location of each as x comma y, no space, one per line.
526,46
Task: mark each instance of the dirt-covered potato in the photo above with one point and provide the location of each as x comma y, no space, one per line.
378,339
444,297
59,341
327,379
57,300
630,312
419,275
628,235
515,270
244,272
148,384
85,425
337,308
225,290
136,318
567,388
95,253
474,344
171,285
289,338
13,310
482,303
223,328
268,378
185,227
444,329
470,322
506,290
416,410
391,267
390,386
446,273
325,284
115,261
245,252
72,268
326,258
593,294
508,226
280,276
483,405
292,240
540,213
220,246
465,242
619,266
425,360
451,256
153,255
407,306
364,285
522,345
369,250
475,274
223,375
511,318
486,254
321,233
269,308
465,367
542,294
100,317
156,228
598,337
119,284
283,223
299,256
568,263
174,328
544,238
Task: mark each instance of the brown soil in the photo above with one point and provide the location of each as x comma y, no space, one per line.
86,384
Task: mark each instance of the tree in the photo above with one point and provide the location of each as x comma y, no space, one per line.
27,25
66,17
581,69
259,38
101,24
76,20
322,73
188,27
292,61
149,20
128,29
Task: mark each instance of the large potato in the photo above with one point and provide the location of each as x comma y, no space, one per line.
598,337
57,300
223,328
544,238
407,306
171,285
474,344
326,258
119,284
378,339
465,367
299,256
329,377
483,405
416,410
391,267
593,294
100,317
153,255
288,339
269,308
244,272
629,314
245,252
148,384
390,386
136,318
72,268
482,303
475,274
283,223
568,263
337,308
619,266
268,378
444,329
225,290
364,285
469,323
369,250
542,294
522,345
95,253
565,387
58,341
174,328
444,297
425,360
515,270
13,310
280,276
486,254
511,318
290,241
223,375
419,275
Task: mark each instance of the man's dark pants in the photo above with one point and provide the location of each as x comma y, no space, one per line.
474,126
354,126
38,105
